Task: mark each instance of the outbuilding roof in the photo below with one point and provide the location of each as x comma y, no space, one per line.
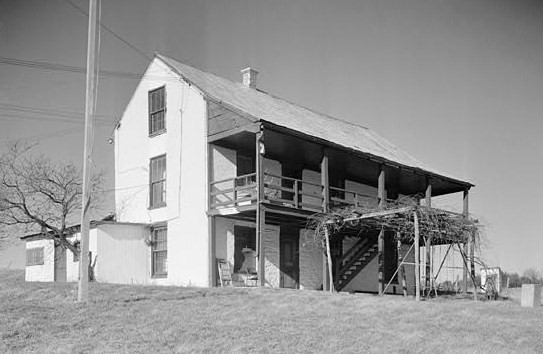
261,106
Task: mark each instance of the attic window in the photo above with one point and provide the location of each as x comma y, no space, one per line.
157,111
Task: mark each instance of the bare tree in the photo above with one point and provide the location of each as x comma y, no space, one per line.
39,195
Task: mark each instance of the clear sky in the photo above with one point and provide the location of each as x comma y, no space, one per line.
456,83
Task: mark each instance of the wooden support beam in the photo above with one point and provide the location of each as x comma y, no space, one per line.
325,182
428,241
428,193
471,243
417,256
381,261
329,259
401,269
260,212
325,278
212,275
381,192
212,265
465,268
262,246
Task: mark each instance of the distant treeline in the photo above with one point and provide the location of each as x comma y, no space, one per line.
529,276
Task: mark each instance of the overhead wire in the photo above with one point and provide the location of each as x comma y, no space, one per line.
133,47
51,111
47,66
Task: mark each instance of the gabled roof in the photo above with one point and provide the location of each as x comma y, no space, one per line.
261,106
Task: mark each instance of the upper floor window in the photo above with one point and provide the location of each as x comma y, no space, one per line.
157,182
157,111
34,256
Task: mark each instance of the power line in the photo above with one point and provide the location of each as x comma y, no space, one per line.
50,135
15,116
49,111
65,68
34,64
133,47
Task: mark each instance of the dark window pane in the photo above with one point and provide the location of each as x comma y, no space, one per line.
157,107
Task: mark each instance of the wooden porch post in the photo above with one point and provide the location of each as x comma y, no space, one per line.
465,269
212,258
381,194
329,259
212,275
381,260
417,256
401,269
428,241
325,182
471,245
260,213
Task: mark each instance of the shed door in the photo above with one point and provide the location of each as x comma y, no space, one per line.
60,263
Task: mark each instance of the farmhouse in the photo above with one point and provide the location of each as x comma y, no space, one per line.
212,171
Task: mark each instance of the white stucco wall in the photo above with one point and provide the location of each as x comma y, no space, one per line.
310,261
185,146
46,271
134,148
271,255
224,167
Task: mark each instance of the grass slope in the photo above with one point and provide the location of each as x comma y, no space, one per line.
42,317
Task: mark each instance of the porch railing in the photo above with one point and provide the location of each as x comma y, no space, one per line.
285,191
232,192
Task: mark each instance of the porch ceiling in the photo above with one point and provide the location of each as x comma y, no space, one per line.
302,152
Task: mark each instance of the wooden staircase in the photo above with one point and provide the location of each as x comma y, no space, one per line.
356,258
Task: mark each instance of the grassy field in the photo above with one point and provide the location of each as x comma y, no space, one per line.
43,317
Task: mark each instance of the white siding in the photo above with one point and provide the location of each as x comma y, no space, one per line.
122,254
46,271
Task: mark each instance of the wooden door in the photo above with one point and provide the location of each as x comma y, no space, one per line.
60,263
289,260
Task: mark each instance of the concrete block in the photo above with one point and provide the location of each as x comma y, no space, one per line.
531,295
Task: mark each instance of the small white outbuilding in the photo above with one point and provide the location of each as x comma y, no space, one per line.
117,252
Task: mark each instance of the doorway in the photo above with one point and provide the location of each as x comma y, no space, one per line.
289,252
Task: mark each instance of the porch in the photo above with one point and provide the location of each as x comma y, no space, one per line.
238,194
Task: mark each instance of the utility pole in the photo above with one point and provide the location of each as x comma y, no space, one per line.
93,47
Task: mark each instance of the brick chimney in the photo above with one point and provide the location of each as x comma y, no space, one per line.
249,77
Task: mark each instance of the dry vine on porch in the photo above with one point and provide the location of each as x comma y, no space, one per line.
409,220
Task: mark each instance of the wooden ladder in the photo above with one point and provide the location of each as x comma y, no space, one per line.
225,276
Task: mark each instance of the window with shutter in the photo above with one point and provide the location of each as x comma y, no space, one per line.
157,182
157,111
159,251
